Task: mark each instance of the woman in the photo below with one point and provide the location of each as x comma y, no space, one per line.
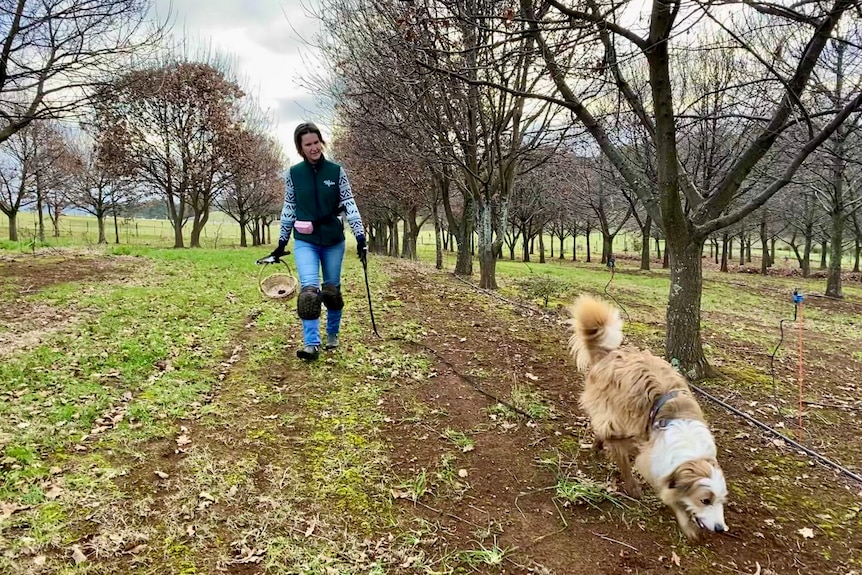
316,191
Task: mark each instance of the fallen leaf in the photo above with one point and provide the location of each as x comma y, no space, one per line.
7,509
249,555
77,554
396,494
674,558
531,376
183,440
806,532
137,549
468,447
311,525
757,569
55,492
191,530
232,491
40,560
162,474
462,473
55,470
207,496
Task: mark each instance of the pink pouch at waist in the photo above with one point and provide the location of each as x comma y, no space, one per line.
303,227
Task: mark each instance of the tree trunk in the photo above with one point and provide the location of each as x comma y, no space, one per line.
243,237
824,246
438,241
665,263
607,247
116,227
574,247
542,246
487,249
589,251
100,218
13,225
198,223
178,235
393,239
726,242
833,276
41,219
729,248
856,255
54,214
748,250
562,240
806,256
464,260
772,252
406,249
645,234
658,248
683,343
765,258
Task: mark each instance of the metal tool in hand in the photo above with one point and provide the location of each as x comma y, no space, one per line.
363,257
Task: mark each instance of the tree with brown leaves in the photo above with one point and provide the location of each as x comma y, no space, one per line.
172,127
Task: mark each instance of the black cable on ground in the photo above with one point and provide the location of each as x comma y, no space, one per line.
797,299
822,459
611,264
466,378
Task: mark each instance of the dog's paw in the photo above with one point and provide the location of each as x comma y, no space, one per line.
690,530
633,490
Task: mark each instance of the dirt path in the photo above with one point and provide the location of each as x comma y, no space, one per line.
512,469
383,458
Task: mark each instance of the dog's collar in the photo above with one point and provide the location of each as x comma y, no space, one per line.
659,403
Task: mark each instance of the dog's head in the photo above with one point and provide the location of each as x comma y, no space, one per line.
700,488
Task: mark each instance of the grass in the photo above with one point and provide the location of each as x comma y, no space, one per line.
294,457
582,490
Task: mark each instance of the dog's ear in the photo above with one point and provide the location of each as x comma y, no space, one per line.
687,475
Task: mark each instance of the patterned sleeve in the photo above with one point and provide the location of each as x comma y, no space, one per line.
346,200
288,213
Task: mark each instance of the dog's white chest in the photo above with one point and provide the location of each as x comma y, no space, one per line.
679,441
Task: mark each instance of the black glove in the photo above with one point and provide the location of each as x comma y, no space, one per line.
279,252
361,249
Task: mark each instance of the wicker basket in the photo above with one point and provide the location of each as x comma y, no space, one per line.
277,285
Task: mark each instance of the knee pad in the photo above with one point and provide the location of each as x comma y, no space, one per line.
308,303
331,296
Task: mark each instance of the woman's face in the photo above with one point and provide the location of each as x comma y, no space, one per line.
312,147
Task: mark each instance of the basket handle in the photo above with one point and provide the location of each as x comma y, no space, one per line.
263,267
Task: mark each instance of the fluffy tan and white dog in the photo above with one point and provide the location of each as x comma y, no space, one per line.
640,406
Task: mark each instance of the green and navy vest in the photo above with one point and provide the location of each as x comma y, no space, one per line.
317,197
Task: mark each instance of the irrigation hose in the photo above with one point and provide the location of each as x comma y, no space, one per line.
810,452
763,426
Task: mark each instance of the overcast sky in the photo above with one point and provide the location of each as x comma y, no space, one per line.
265,39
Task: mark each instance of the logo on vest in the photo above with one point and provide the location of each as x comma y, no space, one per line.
328,183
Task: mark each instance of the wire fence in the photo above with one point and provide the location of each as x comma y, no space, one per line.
84,230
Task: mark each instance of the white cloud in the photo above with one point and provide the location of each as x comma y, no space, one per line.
270,45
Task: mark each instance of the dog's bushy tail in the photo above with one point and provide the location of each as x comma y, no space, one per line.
596,330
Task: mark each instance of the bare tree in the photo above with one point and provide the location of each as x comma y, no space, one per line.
171,126
54,52
687,212
256,187
94,187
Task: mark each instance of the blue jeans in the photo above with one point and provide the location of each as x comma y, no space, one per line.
310,258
